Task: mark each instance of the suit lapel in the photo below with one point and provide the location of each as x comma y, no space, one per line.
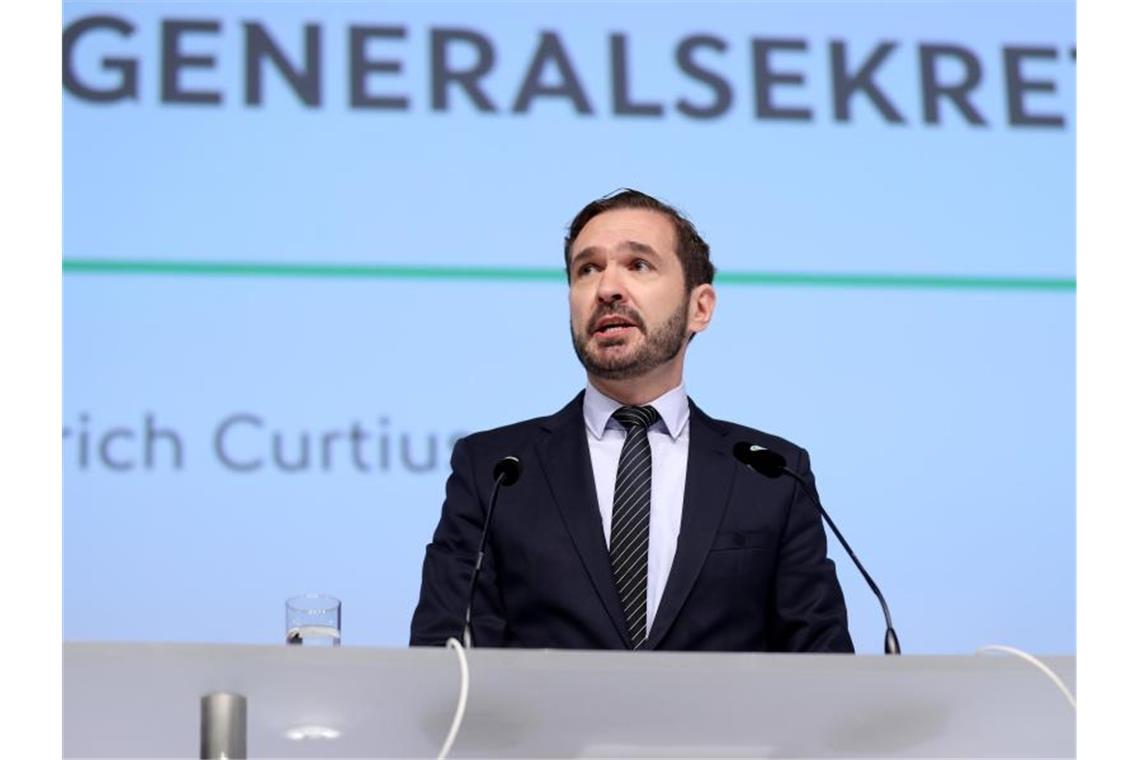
564,457
708,483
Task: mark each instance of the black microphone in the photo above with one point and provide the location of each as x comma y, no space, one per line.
772,464
509,469
506,473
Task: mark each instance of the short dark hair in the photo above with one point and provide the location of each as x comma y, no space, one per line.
692,250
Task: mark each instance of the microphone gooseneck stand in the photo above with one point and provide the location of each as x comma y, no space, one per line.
506,473
772,465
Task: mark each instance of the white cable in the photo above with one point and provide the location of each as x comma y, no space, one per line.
1036,663
461,708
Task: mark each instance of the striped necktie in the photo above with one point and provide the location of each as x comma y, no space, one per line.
629,527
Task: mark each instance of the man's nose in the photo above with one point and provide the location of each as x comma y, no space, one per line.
611,288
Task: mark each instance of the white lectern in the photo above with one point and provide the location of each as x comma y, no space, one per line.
142,700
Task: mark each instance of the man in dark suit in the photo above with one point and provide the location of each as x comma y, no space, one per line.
632,526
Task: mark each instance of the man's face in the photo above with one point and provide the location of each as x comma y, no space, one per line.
629,312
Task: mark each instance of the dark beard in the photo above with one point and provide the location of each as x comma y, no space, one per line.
659,347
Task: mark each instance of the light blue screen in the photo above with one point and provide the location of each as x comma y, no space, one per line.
923,353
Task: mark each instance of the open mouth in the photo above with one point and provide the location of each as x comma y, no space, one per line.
613,325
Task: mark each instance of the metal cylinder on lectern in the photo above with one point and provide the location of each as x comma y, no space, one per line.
223,726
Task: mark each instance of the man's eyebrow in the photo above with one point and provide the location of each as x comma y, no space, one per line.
583,253
631,245
637,247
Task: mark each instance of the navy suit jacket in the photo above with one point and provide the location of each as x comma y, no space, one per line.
750,572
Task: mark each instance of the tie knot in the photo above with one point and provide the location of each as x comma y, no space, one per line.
636,416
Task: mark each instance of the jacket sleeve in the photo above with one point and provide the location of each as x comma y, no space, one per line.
810,612
449,563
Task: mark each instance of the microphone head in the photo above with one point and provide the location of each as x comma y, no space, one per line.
508,469
764,461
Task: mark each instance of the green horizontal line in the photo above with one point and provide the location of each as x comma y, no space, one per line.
550,274
336,271
899,281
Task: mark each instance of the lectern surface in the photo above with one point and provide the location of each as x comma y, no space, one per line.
142,700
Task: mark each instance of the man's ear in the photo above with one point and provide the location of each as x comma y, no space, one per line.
702,303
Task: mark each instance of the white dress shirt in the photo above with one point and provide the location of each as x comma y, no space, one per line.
669,447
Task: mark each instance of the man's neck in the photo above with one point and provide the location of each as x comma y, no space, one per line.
637,391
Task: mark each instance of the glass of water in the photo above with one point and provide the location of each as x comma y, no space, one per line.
312,620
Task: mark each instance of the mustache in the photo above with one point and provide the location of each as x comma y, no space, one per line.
614,310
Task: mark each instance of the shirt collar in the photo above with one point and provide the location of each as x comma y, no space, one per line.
673,406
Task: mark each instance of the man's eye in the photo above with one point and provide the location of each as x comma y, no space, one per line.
587,269
642,265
